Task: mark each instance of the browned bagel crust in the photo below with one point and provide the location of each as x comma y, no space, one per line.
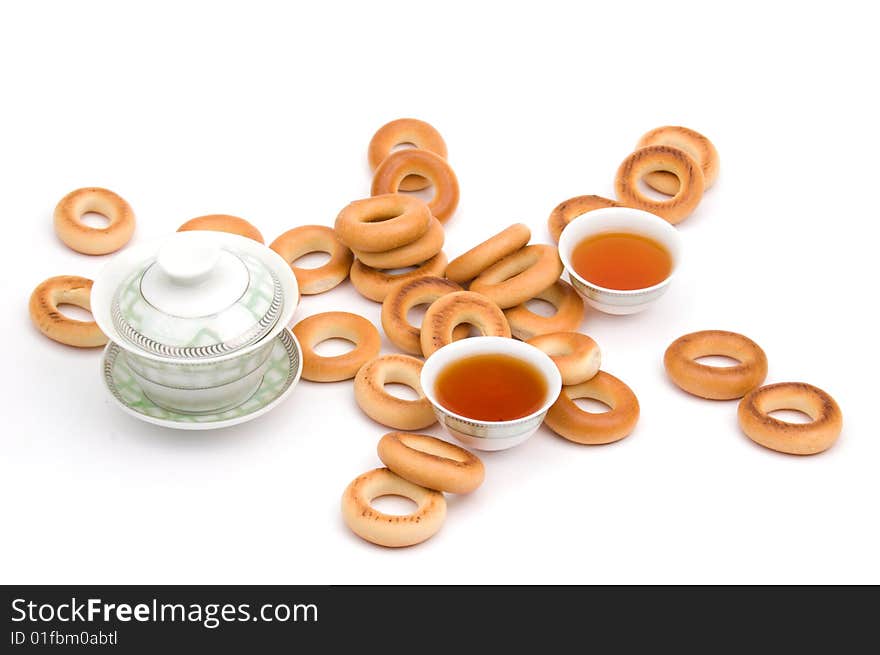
398,165
387,529
93,240
402,131
306,239
521,276
381,406
60,290
661,158
715,382
466,267
792,438
568,420
420,250
375,284
525,324
576,355
382,222
223,223
449,311
568,210
402,298
692,142
431,462
336,325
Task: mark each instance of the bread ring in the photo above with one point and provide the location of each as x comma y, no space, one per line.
576,355
223,223
466,267
336,325
381,406
431,462
449,311
420,250
519,277
398,165
65,290
383,222
93,240
402,298
375,284
568,210
792,438
568,420
715,382
389,529
525,324
306,239
693,143
402,131
661,158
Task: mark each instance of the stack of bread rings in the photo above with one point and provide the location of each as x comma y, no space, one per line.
419,467
744,380
673,160
390,230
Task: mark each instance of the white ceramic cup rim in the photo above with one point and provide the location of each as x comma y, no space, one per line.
579,228
491,346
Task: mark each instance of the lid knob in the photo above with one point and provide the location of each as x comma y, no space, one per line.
187,264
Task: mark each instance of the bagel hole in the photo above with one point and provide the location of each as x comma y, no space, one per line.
473,330
406,145
791,416
95,220
416,314
381,218
402,391
75,312
591,405
650,192
311,260
394,505
426,194
541,307
399,271
334,347
721,361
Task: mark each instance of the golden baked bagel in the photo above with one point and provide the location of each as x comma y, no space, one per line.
651,159
715,382
307,239
793,438
65,290
568,420
519,277
693,143
94,240
431,462
381,406
336,325
386,529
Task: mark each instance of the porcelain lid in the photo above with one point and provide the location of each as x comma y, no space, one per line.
197,299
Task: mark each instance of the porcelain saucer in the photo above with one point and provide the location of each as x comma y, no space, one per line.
285,367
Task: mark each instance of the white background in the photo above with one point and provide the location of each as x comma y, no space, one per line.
264,111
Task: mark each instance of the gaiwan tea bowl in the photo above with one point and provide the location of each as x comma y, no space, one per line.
481,433
617,220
